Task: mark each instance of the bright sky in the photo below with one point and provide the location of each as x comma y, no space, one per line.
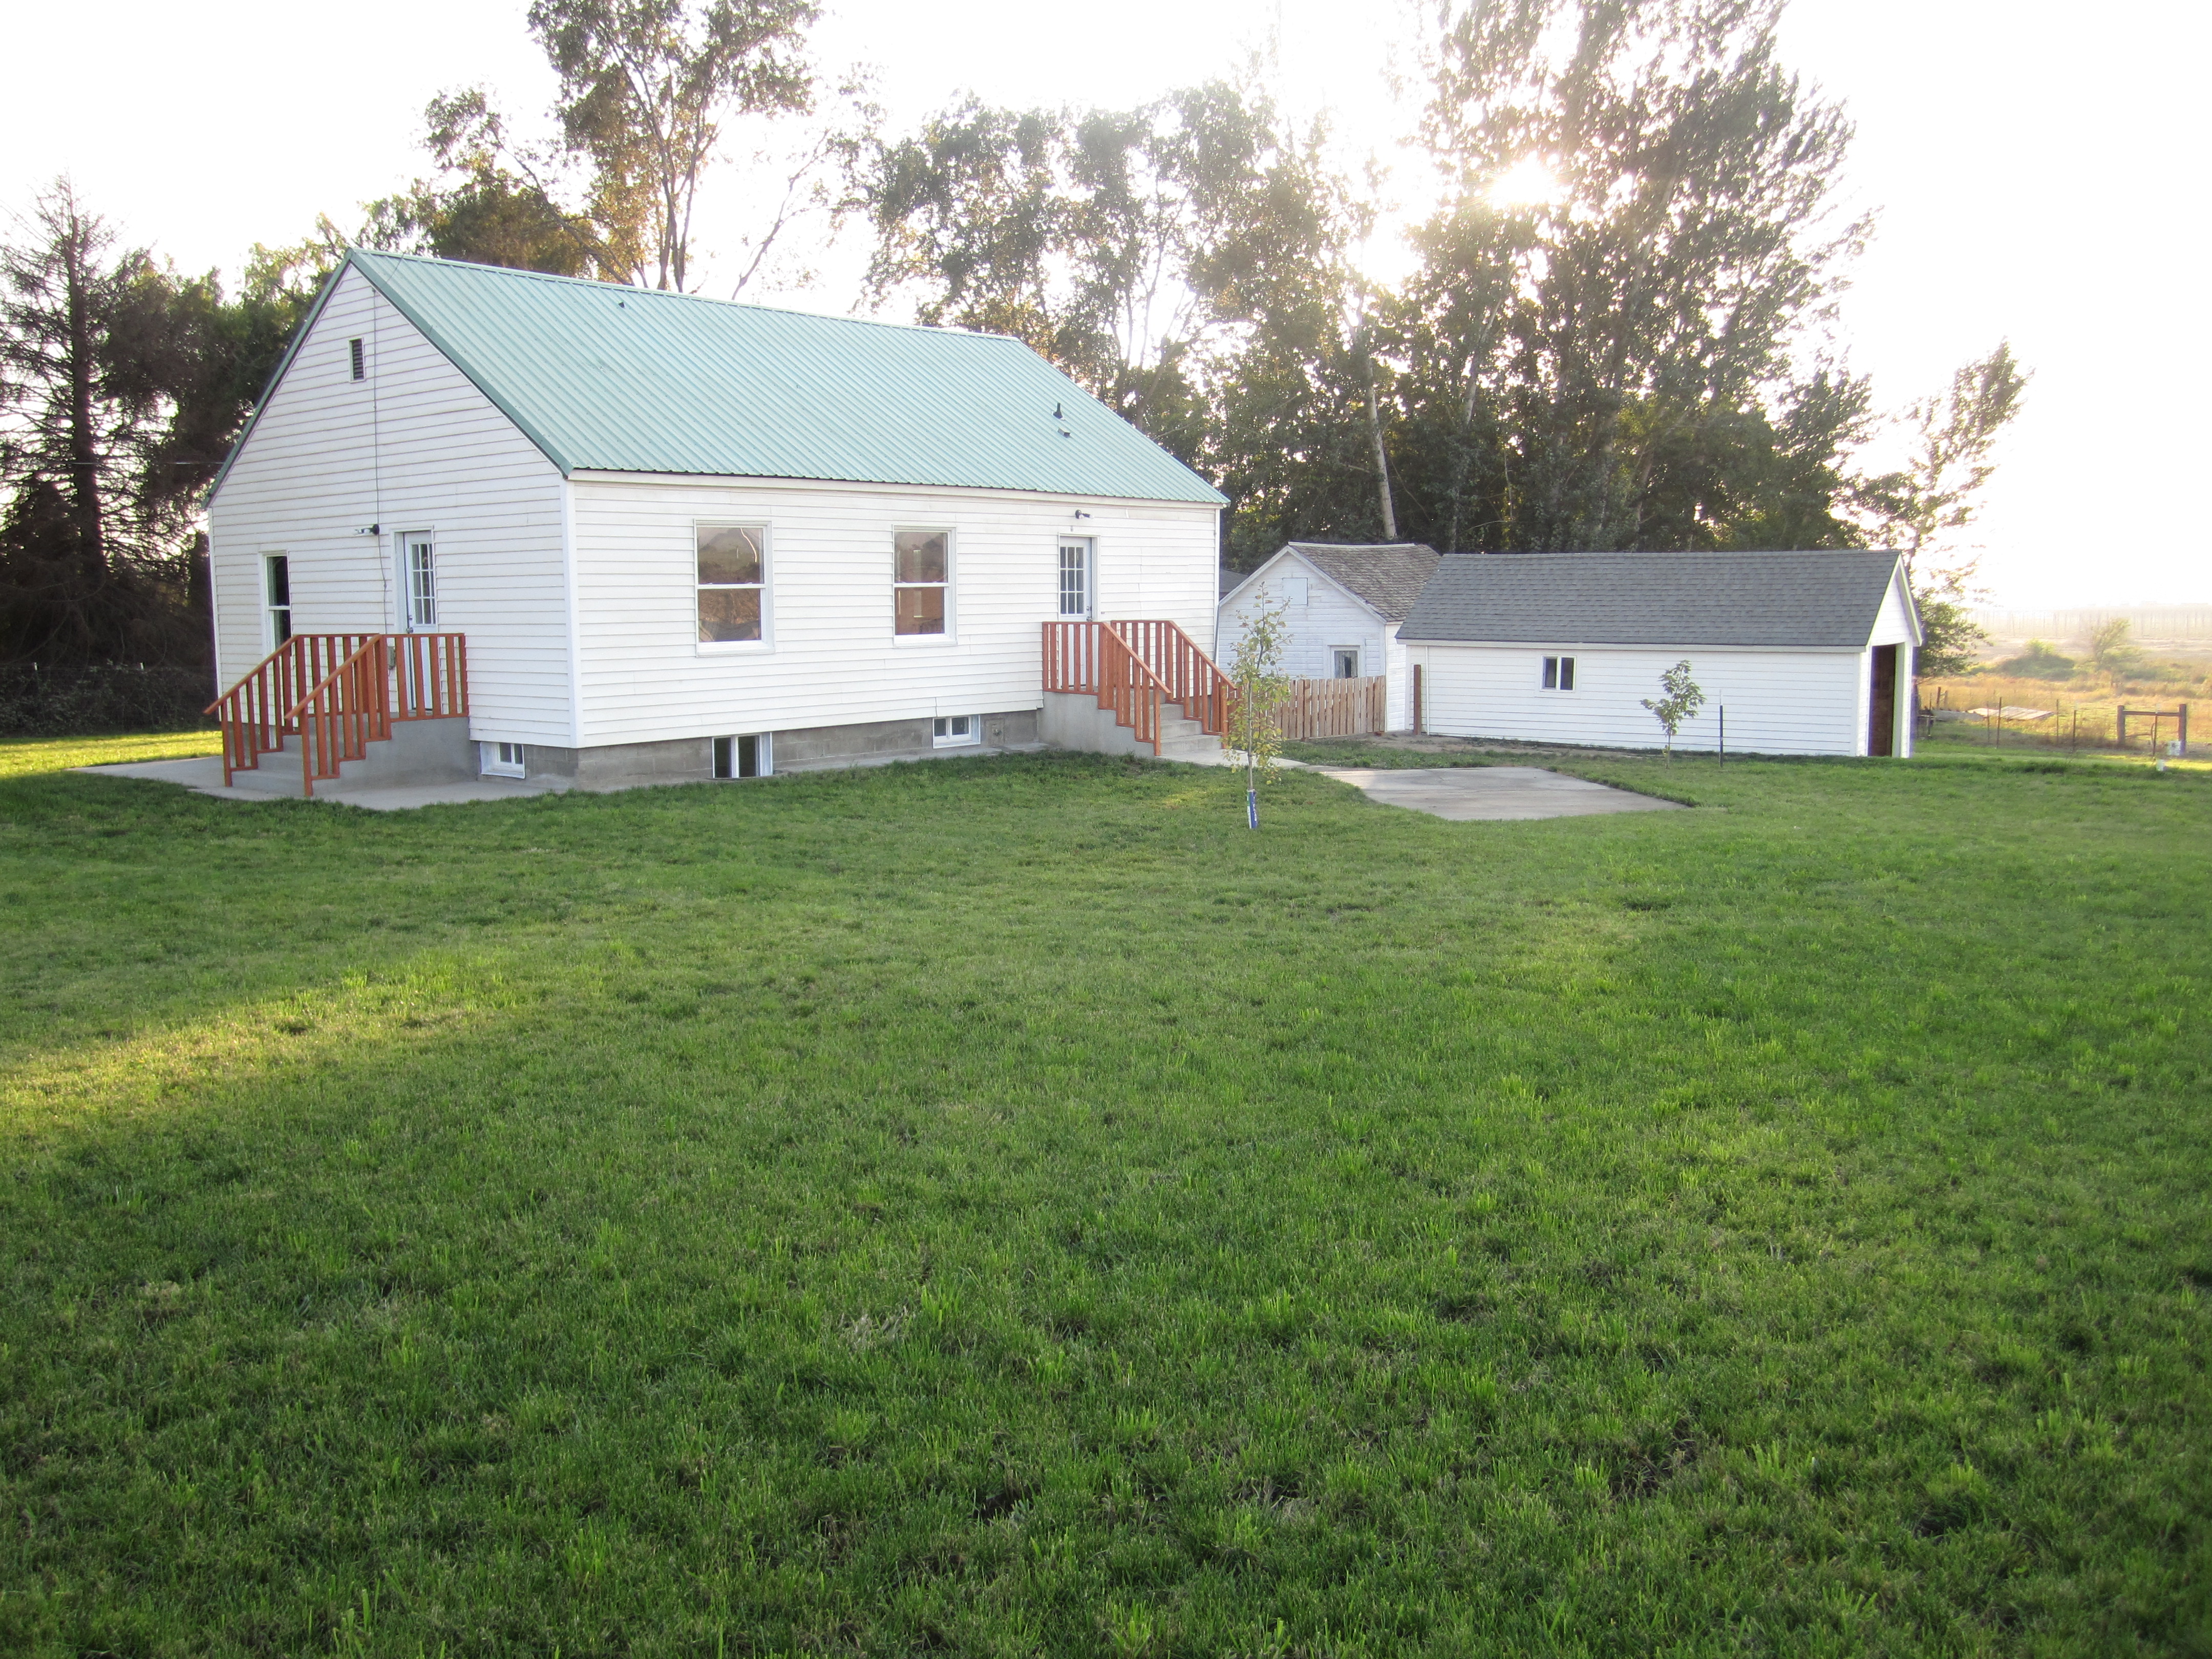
2040,174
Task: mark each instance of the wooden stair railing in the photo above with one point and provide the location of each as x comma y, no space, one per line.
255,713
338,693
1089,657
1191,677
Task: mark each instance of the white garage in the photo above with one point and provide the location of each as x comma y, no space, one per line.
1799,653
1341,605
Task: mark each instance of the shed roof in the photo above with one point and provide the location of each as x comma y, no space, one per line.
1386,576
605,377
1830,599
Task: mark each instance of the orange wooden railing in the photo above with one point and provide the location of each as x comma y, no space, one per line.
338,693
1136,667
1190,676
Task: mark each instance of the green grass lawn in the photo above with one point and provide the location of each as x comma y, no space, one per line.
1004,1207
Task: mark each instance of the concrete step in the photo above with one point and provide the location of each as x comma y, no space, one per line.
418,753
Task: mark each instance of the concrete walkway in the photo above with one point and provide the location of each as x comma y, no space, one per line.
1465,793
204,772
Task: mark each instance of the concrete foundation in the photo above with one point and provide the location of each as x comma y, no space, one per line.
691,760
1073,720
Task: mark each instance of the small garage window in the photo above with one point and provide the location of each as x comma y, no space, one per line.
1347,661
1559,673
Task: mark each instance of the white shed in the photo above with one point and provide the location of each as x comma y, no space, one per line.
605,534
1808,653
1344,603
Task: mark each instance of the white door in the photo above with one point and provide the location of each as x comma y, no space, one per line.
1075,575
418,574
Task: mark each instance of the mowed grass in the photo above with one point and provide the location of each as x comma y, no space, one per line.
1004,1207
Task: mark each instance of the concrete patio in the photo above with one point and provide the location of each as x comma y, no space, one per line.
1471,792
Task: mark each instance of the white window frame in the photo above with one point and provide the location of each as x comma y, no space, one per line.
724,753
725,647
1090,605
1559,673
269,605
501,760
942,735
411,608
1336,654
928,641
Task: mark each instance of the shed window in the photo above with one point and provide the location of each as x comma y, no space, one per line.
922,575
1559,673
733,579
1347,662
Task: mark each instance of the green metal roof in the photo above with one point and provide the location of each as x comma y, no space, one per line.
627,379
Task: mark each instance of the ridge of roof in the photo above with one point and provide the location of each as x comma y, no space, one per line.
365,257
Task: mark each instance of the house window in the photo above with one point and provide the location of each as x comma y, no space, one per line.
954,730
1559,673
1075,576
359,363
732,581
278,572
418,562
921,576
502,760
1294,592
746,757
1347,662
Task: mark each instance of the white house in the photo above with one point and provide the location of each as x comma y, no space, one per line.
1808,653
675,537
1343,605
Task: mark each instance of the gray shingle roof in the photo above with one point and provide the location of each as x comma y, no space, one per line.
1655,599
1387,575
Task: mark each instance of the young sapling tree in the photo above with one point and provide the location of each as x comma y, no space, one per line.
1255,669
1680,701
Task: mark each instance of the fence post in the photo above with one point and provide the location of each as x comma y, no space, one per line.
1418,728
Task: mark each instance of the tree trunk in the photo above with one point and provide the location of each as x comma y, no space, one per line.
83,446
1382,458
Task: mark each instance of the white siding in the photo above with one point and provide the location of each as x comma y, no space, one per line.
414,447
832,659
1329,618
1892,624
1778,702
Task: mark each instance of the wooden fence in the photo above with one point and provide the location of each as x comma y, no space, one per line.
1333,708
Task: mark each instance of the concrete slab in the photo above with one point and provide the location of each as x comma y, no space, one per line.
203,773
1470,793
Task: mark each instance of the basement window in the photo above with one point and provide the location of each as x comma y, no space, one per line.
1559,673
954,730
746,757
502,760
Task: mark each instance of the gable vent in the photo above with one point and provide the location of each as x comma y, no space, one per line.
360,363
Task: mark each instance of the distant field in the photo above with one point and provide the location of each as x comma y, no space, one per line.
1006,1207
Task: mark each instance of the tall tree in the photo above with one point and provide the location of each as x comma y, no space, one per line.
1142,251
1919,509
122,386
1604,356
645,85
